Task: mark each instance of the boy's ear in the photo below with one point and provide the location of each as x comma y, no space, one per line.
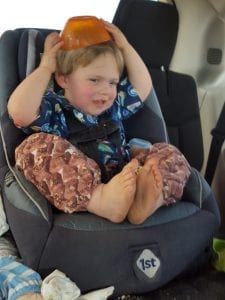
61,80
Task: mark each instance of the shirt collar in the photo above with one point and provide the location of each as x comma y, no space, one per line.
78,114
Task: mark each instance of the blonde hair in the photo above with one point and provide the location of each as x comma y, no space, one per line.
69,60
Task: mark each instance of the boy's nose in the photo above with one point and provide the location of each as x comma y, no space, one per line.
104,89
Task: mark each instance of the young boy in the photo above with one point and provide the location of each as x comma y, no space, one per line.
93,170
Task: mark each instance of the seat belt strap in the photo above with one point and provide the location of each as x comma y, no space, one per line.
218,137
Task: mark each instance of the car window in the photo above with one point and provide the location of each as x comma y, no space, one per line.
51,14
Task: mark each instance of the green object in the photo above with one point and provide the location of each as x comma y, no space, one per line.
219,254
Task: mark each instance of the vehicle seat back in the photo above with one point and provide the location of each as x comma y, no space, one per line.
152,27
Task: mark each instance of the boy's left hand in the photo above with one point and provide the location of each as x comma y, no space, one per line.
118,37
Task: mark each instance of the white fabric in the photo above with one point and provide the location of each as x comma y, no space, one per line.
7,248
3,224
58,286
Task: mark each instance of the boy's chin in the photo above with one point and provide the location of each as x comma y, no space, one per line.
98,112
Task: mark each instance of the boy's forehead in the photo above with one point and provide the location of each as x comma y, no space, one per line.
99,73
101,61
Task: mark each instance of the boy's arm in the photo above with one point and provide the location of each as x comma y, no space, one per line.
137,71
25,101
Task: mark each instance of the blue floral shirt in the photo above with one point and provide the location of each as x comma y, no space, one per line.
52,119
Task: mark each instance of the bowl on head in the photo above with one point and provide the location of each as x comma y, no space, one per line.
83,31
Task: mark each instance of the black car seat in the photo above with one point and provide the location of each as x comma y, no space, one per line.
92,251
152,28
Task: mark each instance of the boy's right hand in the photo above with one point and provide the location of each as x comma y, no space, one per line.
52,44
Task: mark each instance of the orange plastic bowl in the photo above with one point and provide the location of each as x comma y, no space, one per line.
83,31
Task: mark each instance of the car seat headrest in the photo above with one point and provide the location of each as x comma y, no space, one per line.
30,48
151,27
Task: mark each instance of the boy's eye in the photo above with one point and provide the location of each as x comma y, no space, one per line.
114,83
93,80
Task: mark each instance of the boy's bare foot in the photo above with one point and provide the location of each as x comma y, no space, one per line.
113,200
148,196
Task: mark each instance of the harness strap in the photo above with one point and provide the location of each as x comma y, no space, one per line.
93,133
88,139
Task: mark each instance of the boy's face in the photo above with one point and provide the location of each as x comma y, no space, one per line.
93,88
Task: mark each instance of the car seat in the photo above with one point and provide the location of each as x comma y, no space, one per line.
152,28
92,251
